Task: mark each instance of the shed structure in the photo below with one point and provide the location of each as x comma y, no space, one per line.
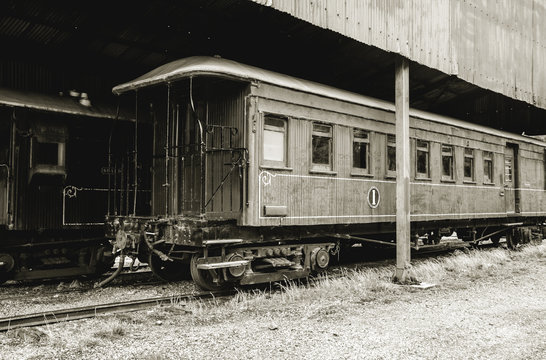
499,45
476,60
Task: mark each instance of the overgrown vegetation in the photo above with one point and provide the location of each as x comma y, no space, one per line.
455,271
323,299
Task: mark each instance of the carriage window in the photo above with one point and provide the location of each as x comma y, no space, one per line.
47,153
274,141
469,164
391,155
508,169
487,167
361,149
422,158
4,142
322,147
447,162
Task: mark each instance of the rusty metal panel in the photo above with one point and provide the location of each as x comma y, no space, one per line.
495,44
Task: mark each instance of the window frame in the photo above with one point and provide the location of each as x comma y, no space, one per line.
269,162
390,144
367,141
472,157
61,153
420,175
511,169
451,155
488,156
318,167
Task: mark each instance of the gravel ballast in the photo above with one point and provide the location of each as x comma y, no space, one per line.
500,314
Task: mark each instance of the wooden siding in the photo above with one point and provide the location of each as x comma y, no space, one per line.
226,110
498,45
340,196
220,108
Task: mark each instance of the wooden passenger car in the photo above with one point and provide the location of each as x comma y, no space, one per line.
256,171
54,185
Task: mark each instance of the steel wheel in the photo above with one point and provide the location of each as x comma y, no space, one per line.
168,270
7,267
495,239
206,278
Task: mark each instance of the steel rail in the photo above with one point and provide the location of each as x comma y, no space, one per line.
61,315
56,316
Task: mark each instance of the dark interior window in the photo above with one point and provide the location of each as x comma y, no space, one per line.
46,153
361,147
447,162
469,164
391,153
422,158
4,142
322,145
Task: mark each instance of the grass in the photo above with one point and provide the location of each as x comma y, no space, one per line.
455,271
324,299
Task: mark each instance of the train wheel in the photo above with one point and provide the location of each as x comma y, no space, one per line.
434,238
206,279
512,239
495,239
169,270
6,266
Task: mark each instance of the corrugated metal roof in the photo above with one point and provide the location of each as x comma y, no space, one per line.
58,104
496,44
204,65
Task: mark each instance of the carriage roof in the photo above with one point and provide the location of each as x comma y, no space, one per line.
57,104
219,67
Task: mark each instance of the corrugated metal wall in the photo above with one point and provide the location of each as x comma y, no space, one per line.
498,45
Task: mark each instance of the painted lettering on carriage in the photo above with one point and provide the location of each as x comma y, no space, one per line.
374,197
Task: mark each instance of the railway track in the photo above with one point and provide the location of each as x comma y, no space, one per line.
56,316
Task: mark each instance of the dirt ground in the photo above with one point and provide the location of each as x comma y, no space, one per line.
500,315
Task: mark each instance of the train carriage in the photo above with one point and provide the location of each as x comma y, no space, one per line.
54,183
258,176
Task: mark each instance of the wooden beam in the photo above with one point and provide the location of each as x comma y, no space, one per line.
403,234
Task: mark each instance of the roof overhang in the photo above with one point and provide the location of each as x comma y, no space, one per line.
223,68
54,103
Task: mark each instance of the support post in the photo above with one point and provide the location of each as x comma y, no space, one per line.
403,235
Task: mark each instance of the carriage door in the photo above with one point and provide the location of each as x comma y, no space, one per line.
511,179
5,144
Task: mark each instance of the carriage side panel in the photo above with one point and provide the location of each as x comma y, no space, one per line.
340,196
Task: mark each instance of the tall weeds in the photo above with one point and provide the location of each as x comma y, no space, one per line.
372,284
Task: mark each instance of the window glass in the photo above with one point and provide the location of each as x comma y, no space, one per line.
469,164
508,169
322,146
274,141
422,158
361,148
4,141
487,167
447,162
47,153
391,153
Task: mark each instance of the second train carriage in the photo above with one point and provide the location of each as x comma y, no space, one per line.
55,174
258,175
